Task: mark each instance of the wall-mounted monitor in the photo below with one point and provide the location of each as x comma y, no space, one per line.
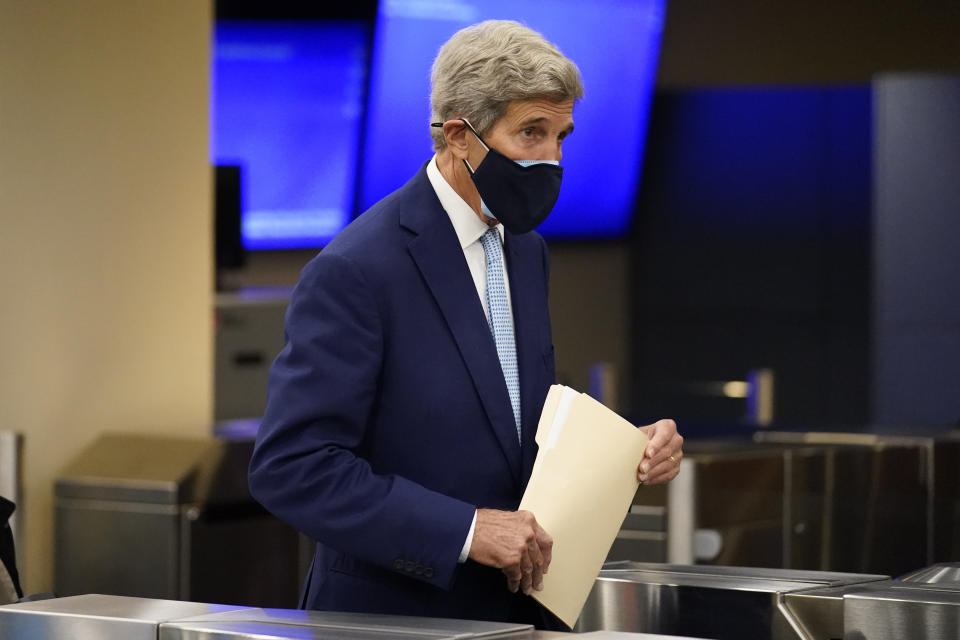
615,44
322,127
287,107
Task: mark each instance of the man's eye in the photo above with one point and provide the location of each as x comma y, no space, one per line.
528,132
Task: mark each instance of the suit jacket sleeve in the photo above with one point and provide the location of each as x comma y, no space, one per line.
307,466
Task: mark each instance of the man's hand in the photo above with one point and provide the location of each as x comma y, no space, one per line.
513,542
661,460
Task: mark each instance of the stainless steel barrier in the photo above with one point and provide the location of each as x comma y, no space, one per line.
728,602
898,611
944,574
99,617
257,624
860,503
736,503
713,602
95,617
896,507
922,605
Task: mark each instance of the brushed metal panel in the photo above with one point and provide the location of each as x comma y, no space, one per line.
262,631
945,575
363,622
819,612
899,612
94,617
619,635
116,548
737,577
716,602
130,467
265,630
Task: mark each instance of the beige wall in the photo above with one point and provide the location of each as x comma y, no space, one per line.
589,311
105,245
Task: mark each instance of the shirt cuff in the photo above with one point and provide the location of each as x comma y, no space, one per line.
465,552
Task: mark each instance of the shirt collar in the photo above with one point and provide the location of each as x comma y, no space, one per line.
468,226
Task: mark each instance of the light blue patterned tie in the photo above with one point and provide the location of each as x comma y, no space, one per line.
501,324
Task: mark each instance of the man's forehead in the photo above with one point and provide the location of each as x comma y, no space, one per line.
540,111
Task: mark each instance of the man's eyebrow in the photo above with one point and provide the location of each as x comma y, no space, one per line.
532,121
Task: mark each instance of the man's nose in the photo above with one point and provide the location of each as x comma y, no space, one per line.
554,153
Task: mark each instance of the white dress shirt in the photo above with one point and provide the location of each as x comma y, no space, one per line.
469,228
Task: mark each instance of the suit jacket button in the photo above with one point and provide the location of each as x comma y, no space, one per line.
398,564
428,572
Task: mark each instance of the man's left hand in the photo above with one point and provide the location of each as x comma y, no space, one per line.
661,460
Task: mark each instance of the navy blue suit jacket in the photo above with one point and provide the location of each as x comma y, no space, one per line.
388,420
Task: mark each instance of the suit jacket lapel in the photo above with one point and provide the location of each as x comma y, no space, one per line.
528,304
437,254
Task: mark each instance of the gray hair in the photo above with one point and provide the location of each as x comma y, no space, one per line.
484,67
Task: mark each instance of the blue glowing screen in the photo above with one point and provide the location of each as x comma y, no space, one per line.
615,45
287,106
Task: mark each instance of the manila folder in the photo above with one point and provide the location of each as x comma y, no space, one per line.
580,491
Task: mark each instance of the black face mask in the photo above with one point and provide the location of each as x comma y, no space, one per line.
518,193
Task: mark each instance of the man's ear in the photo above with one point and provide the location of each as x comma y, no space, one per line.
455,133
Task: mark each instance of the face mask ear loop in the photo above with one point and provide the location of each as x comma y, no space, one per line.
470,126
474,131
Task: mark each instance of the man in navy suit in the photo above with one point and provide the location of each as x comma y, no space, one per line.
401,412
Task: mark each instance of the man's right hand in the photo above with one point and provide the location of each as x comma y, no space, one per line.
514,542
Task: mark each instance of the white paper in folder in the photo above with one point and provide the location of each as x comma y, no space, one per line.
581,487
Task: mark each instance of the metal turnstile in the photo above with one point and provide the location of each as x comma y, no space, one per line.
892,499
256,624
922,605
736,603
95,617
859,503
901,610
101,617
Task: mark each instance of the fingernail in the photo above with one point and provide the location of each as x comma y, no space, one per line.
651,451
644,467
538,587
643,477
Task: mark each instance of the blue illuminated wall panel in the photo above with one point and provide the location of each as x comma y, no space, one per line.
751,249
916,279
287,107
